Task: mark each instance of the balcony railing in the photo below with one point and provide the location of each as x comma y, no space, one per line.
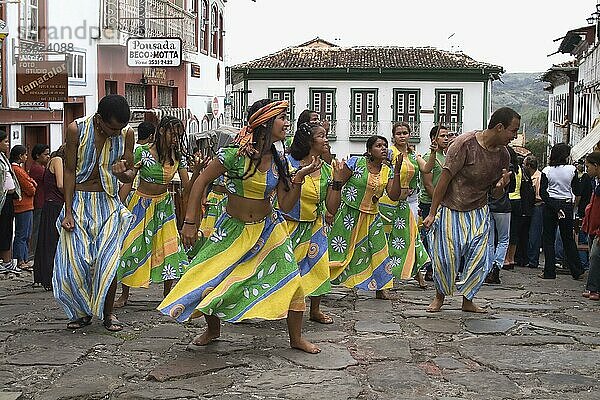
362,130
331,135
577,132
151,18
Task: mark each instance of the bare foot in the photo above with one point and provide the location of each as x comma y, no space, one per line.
421,280
436,304
120,302
205,338
321,317
304,345
469,306
385,294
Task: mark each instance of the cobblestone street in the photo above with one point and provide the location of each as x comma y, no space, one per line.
540,340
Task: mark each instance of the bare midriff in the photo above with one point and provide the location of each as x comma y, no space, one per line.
151,189
248,210
92,184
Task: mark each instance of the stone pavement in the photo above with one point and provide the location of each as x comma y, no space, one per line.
541,340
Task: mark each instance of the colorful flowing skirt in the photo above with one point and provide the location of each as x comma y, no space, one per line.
87,258
152,250
404,240
358,251
216,203
243,271
310,245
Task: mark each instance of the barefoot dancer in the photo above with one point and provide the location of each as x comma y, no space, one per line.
247,268
400,217
152,251
94,222
305,221
358,249
476,164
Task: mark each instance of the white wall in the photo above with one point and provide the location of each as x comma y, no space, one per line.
554,131
473,103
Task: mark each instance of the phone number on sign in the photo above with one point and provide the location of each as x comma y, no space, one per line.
154,62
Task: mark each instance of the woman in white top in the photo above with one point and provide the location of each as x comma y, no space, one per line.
558,188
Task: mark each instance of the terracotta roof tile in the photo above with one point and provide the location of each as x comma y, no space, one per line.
365,57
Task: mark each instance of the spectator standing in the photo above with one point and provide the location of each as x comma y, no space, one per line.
40,155
9,190
557,188
591,225
23,207
536,224
52,185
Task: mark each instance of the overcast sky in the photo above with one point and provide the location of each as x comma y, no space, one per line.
515,34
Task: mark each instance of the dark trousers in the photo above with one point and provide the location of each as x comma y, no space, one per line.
565,226
593,282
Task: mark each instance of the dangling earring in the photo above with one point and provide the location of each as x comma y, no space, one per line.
371,158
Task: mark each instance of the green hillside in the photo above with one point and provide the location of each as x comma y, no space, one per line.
525,94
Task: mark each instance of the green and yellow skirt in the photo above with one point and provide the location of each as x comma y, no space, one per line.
358,251
152,250
243,271
310,245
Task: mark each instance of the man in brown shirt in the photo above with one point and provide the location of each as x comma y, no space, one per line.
476,164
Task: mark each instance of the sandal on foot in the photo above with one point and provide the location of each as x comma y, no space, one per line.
79,323
112,324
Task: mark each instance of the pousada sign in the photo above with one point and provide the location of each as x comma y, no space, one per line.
154,52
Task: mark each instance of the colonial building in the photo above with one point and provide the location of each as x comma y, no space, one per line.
92,36
364,90
574,105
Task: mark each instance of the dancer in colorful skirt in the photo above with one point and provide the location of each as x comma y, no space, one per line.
400,217
358,249
93,222
476,164
305,221
152,250
247,268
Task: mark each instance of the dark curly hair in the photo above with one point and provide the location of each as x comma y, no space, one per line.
303,139
262,139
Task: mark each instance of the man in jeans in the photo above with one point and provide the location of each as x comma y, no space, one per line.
536,225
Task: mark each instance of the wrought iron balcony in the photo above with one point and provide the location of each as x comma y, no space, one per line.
151,18
362,130
331,135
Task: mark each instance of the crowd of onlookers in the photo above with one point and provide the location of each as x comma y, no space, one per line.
30,200
546,210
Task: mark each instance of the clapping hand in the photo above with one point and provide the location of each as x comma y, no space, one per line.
504,179
398,165
338,168
314,165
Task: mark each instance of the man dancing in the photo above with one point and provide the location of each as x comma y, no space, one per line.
476,163
93,222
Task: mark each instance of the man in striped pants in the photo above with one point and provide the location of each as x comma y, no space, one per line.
476,164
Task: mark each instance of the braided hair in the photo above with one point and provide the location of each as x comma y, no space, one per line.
171,124
262,138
